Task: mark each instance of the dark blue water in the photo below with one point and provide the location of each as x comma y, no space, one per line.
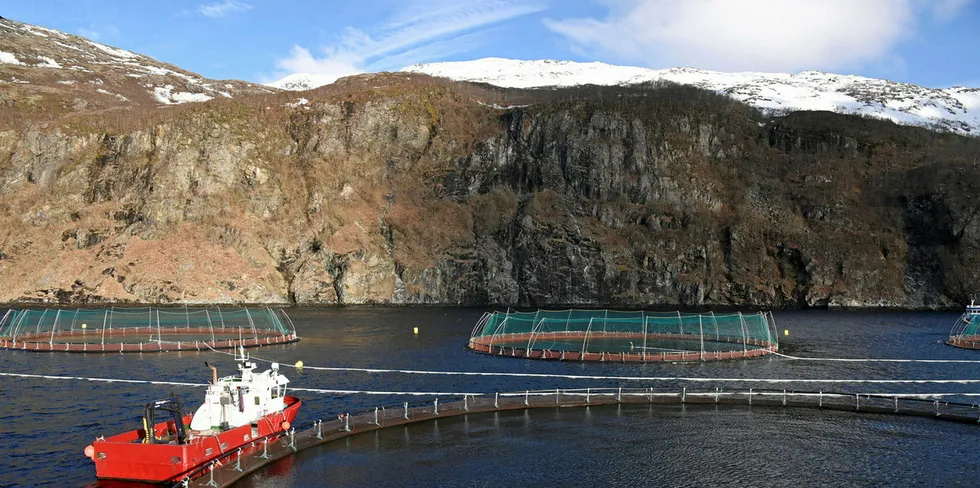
46,423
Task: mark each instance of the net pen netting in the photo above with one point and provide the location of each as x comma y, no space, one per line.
149,327
624,332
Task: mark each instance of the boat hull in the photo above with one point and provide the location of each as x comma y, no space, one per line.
125,457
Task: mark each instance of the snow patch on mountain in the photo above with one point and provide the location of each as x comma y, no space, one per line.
302,82
46,62
167,96
8,58
954,109
114,52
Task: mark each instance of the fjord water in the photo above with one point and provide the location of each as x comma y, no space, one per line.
46,423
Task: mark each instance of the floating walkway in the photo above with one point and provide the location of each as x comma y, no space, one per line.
237,464
143,329
618,336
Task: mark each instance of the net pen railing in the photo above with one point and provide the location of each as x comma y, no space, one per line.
143,329
899,403
634,335
235,464
966,331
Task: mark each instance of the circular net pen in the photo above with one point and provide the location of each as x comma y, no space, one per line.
609,335
143,329
965,331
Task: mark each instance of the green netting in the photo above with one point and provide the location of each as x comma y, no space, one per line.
967,325
615,331
752,326
208,324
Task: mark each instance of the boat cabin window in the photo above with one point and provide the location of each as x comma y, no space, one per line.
257,401
275,391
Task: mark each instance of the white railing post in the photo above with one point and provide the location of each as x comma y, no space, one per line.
586,338
646,330
497,329
105,319
701,329
55,327
531,338
745,334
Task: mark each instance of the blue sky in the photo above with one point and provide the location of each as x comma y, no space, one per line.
930,42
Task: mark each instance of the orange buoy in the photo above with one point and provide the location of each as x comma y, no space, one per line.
285,425
90,452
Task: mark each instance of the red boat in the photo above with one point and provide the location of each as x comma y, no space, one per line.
237,411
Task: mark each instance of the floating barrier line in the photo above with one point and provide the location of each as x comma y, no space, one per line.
878,360
592,391
623,378
101,380
392,393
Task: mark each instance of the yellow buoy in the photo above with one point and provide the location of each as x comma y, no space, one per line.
785,332
84,326
415,330
299,366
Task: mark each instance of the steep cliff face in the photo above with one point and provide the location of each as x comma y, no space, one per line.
403,189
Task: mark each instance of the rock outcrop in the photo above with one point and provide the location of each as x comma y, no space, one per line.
402,189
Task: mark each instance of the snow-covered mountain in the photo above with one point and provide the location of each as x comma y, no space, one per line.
954,109
40,62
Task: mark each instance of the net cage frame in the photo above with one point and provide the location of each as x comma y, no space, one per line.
731,335
965,332
85,329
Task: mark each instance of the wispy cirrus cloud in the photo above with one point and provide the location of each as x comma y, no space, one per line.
422,30
766,35
221,9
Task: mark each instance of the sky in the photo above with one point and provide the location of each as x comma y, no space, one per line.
934,43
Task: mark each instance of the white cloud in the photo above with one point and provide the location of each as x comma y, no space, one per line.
220,9
760,35
423,30
334,64
89,33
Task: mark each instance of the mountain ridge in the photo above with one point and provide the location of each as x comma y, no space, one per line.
955,109
404,188
59,73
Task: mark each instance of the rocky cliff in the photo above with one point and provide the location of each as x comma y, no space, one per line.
407,189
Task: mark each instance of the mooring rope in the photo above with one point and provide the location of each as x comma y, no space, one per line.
100,380
878,360
582,391
621,378
197,385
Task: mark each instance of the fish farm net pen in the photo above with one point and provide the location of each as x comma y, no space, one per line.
624,336
148,329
